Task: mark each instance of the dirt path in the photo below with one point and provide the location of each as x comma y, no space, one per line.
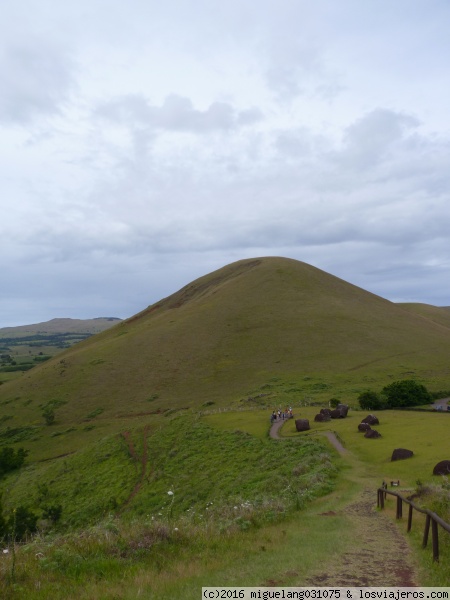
274,429
443,402
143,460
276,426
380,555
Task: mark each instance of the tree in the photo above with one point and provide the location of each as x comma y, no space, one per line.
371,401
406,393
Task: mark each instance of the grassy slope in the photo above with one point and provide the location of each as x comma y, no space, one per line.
231,332
201,464
272,326
124,560
438,314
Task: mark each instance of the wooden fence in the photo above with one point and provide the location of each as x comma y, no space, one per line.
432,519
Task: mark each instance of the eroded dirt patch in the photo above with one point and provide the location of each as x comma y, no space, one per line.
381,556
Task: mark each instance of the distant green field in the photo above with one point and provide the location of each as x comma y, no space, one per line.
23,347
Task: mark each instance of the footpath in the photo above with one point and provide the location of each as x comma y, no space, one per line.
378,553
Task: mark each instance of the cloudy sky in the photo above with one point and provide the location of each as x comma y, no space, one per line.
147,143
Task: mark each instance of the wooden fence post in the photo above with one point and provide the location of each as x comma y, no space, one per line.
410,513
432,519
426,531
435,540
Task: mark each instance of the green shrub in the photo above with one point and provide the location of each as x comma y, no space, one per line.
49,416
11,459
22,522
52,513
371,401
95,413
406,393
17,434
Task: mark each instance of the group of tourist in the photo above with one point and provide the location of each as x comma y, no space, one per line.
281,415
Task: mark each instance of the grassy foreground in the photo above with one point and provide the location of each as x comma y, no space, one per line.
256,520
161,519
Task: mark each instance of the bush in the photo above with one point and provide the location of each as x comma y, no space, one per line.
22,522
406,393
10,459
371,401
52,513
49,416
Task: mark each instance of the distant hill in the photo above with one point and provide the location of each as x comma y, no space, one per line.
90,326
235,335
438,314
22,347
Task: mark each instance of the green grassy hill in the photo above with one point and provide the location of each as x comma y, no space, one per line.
258,333
234,334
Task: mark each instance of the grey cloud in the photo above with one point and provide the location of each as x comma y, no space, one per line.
295,143
367,140
296,66
176,114
36,77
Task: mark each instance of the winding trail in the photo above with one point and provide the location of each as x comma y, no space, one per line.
141,459
330,435
379,554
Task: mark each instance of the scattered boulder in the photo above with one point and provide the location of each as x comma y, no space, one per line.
302,424
321,417
343,408
372,433
340,412
401,454
364,427
325,411
442,468
371,419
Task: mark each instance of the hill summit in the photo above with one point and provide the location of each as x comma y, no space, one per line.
232,331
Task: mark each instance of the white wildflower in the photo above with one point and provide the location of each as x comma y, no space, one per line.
170,493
